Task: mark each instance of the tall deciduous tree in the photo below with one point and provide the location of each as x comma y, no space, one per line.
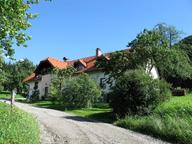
150,48
169,33
186,45
14,21
15,73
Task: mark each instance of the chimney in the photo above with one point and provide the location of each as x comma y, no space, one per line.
98,52
65,59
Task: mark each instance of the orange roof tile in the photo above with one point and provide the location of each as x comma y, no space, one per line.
57,63
30,78
88,63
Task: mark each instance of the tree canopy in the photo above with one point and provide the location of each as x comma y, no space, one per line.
151,48
169,33
14,73
186,45
14,21
58,81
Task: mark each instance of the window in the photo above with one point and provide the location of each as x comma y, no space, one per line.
36,86
46,91
102,83
78,66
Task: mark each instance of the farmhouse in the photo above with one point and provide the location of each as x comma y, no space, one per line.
42,75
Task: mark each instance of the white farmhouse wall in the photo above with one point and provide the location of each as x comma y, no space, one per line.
31,87
97,76
45,82
154,73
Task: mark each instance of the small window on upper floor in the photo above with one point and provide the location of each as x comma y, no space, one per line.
78,66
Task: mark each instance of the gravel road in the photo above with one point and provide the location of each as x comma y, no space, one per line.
61,128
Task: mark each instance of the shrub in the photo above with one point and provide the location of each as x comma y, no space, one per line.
170,121
57,82
136,93
54,90
35,95
80,91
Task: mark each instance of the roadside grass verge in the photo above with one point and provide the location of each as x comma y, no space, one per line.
17,127
171,121
7,95
100,111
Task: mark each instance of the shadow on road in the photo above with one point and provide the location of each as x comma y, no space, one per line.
80,119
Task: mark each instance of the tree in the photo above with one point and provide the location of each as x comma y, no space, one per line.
150,48
58,80
80,91
186,45
14,20
168,33
137,93
15,73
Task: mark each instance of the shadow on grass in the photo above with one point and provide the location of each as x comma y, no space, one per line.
106,117
99,112
80,119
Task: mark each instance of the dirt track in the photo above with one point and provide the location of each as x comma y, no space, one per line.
61,128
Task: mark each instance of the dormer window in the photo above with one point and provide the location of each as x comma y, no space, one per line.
79,65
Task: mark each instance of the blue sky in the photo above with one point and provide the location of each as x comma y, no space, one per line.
75,28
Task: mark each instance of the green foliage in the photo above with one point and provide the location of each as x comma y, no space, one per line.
15,73
185,48
170,121
35,95
136,93
116,66
150,48
14,20
80,91
186,45
57,82
17,127
169,33
7,95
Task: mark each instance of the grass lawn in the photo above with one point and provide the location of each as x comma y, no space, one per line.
171,121
7,95
101,112
17,127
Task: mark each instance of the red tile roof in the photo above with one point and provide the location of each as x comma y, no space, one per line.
88,63
57,63
30,78
83,63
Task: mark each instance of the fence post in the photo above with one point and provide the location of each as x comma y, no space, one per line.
13,93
